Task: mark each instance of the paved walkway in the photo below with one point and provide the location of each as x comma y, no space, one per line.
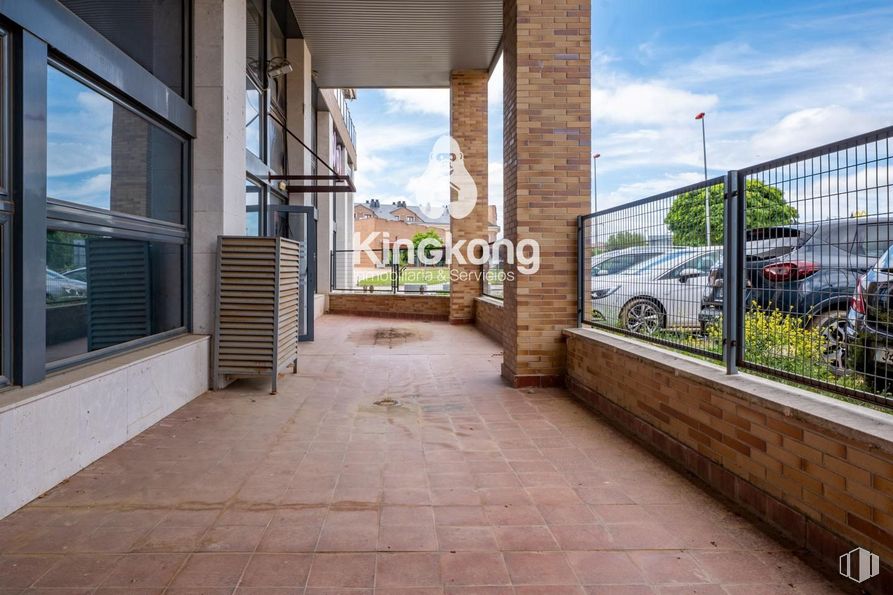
462,486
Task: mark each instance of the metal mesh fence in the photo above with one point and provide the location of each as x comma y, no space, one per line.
387,271
646,266
793,278
817,268
494,274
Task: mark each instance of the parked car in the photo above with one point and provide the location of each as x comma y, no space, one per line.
78,274
61,289
808,271
762,243
618,261
663,292
870,325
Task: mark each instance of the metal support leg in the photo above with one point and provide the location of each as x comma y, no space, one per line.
733,272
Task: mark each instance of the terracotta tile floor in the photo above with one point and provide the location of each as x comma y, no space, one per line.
464,486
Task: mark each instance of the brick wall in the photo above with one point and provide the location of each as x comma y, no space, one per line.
413,307
547,141
818,470
489,317
468,127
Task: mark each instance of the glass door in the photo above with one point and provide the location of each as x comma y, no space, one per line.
298,223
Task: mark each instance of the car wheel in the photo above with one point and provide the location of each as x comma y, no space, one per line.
642,316
832,326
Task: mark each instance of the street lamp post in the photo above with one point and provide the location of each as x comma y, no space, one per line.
595,157
702,118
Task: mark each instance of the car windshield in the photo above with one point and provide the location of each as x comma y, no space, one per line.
611,265
663,262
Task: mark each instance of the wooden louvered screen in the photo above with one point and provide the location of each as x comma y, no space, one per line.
119,294
257,307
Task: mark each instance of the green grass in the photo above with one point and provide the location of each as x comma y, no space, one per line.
810,367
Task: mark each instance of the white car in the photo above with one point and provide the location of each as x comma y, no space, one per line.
661,293
618,261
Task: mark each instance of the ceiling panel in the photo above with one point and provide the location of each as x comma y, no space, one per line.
398,43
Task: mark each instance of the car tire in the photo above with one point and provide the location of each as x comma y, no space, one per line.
642,316
877,378
831,325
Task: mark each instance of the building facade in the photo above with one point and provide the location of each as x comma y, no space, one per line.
133,135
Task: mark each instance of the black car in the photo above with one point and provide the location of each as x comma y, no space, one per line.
870,319
808,271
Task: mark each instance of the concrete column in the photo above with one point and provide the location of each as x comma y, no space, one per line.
325,224
547,143
299,112
219,147
344,229
468,127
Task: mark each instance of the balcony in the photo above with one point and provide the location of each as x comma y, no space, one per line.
395,461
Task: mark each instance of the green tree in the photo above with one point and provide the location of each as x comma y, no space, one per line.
64,249
765,207
417,239
624,239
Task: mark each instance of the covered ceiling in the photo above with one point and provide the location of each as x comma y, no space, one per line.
398,43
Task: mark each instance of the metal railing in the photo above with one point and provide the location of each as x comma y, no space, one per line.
493,275
794,280
386,271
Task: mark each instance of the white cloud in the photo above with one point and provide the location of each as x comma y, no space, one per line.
647,187
763,101
651,102
494,85
810,127
495,190
419,101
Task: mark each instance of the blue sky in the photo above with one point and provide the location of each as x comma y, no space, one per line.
773,77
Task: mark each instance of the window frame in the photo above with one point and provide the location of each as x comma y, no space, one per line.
260,167
36,32
7,215
68,212
90,356
62,215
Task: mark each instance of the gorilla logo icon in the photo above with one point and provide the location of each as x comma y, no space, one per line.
446,159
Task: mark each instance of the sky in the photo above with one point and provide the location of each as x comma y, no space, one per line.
773,78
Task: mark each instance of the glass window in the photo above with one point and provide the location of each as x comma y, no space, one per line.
103,291
254,38
102,155
252,208
149,31
252,118
702,264
622,262
277,50
278,161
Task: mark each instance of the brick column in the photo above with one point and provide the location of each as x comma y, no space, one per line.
547,117
468,127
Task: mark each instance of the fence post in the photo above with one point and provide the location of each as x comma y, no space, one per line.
581,285
333,257
732,274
